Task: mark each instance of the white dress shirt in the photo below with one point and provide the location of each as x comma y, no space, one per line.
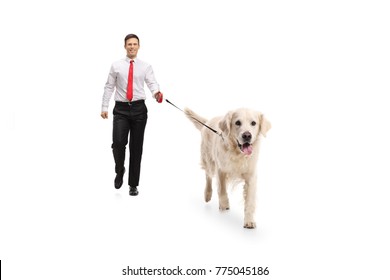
117,80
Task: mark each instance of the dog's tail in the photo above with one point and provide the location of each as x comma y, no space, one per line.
195,118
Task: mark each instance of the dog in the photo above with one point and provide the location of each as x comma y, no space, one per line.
232,155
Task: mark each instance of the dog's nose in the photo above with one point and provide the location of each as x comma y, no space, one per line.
247,136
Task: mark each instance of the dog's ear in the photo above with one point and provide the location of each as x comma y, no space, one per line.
265,125
225,123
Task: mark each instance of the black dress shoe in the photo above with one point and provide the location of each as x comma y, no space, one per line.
118,182
133,191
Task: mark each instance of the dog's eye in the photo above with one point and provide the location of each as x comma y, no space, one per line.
253,123
238,123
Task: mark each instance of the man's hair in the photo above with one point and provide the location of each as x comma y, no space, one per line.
129,36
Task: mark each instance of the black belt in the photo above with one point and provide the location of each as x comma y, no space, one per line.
130,102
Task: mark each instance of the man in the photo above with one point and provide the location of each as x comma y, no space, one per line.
127,77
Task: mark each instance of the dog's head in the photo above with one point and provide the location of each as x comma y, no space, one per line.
243,128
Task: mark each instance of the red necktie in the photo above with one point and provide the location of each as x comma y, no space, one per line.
130,82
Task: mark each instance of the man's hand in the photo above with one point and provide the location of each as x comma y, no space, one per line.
104,115
159,97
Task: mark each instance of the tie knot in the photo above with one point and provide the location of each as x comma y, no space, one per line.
131,61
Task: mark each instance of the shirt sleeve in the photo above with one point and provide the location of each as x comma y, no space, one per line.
109,89
150,81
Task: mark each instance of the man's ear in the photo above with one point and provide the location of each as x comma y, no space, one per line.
225,123
265,125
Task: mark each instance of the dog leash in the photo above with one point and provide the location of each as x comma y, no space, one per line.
213,130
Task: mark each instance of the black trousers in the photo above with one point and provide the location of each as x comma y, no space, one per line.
129,118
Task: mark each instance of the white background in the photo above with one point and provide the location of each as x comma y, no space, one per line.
319,70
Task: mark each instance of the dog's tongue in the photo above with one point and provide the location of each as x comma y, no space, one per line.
247,149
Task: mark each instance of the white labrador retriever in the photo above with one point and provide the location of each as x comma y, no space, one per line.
232,157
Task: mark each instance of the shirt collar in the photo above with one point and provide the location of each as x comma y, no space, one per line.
128,59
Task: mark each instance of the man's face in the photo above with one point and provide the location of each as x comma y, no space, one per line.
132,47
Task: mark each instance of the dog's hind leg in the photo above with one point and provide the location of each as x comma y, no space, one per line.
208,190
222,192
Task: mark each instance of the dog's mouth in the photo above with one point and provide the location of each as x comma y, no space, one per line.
245,148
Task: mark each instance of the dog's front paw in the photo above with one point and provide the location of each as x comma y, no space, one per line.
250,225
224,208
224,204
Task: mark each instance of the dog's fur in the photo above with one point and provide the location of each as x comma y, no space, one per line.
233,156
